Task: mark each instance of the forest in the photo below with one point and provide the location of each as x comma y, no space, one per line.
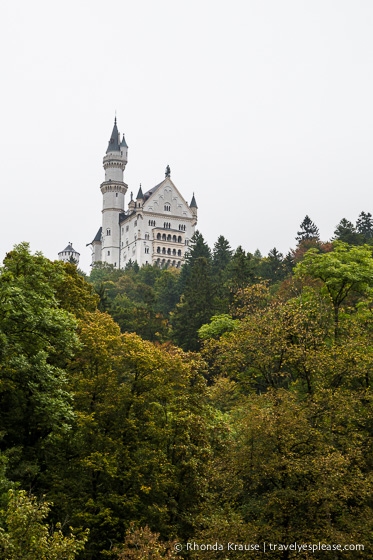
146,412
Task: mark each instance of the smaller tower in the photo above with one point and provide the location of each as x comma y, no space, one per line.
69,255
193,206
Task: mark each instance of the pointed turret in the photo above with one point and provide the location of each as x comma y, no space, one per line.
123,144
114,139
193,206
193,203
140,196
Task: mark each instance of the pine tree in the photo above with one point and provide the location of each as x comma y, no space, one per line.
308,230
364,226
346,232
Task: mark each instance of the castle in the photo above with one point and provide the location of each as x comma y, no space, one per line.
157,226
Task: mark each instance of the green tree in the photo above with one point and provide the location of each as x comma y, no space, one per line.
343,271
37,338
195,307
346,232
308,230
222,256
364,226
25,534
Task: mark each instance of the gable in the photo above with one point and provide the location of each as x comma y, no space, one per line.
166,198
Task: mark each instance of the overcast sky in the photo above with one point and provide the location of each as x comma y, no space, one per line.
263,108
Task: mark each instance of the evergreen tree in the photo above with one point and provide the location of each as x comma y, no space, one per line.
195,307
222,256
197,248
346,232
308,230
364,226
241,271
272,267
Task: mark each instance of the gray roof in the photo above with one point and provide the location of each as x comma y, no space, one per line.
114,139
139,194
149,193
98,235
123,144
193,203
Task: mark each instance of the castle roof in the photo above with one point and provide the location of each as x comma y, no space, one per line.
193,203
123,144
139,194
114,139
97,236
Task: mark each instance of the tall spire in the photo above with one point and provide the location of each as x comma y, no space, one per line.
114,139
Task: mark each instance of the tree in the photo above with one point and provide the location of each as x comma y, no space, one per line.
346,232
364,226
37,338
142,543
195,307
222,256
272,267
198,248
25,534
343,271
241,271
308,230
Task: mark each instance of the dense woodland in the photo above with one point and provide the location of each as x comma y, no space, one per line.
229,401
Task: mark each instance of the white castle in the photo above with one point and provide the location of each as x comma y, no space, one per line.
156,227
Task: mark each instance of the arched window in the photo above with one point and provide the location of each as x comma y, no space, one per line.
179,239
168,237
168,251
164,237
179,253
159,236
164,250
158,249
174,238
174,252
167,207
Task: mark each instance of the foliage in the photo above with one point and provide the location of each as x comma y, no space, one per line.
142,543
24,533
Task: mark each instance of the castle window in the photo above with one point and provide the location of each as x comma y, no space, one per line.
147,250
164,237
146,236
152,223
167,207
126,228
116,194
164,250
108,232
168,251
179,253
174,252
135,224
108,253
158,249
174,238
159,236
168,237
122,231
179,239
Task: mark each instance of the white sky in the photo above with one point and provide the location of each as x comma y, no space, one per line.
263,108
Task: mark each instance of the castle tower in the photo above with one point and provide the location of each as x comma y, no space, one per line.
113,190
69,255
